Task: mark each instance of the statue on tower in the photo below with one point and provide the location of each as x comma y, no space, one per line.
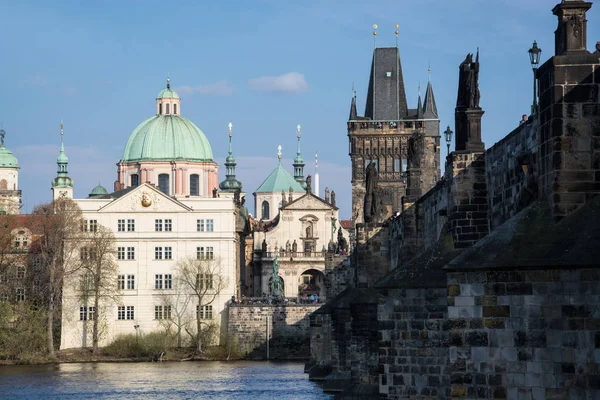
468,83
370,204
276,284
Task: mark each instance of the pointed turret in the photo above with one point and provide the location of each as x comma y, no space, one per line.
419,105
62,185
299,165
353,113
230,184
430,109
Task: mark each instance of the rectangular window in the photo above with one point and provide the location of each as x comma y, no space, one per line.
162,312
24,242
130,312
209,225
121,225
121,282
404,165
210,253
121,253
204,312
200,225
3,297
199,253
20,294
158,281
87,313
168,225
131,253
37,262
131,225
17,242
204,281
130,282
37,285
397,165
93,225
121,312
168,253
168,281
158,254
20,272
158,225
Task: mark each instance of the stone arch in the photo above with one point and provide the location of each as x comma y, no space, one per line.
311,282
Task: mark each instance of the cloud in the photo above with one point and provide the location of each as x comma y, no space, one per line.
219,88
292,82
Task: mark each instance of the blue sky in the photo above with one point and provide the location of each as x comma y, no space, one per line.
264,65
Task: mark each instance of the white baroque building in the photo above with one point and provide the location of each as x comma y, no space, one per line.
162,210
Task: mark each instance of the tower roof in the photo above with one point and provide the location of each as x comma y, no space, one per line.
98,191
7,159
279,180
386,98
167,93
430,108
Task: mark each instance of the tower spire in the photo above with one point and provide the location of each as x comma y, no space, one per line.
299,163
420,104
230,184
429,107
62,185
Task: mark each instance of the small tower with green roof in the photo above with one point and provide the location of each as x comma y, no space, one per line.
10,195
230,184
62,185
299,165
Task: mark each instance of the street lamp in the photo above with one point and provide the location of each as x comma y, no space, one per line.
448,134
535,54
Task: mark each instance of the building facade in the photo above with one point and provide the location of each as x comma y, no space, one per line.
10,195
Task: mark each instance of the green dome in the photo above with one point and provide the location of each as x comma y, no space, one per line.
167,93
98,191
167,138
7,159
279,180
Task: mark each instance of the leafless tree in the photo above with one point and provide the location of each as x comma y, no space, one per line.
97,276
178,316
203,280
58,224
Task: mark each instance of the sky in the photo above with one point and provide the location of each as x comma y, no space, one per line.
264,65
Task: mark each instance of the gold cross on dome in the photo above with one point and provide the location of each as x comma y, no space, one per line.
279,152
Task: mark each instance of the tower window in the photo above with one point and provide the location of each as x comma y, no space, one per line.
167,108
135,180
163,181
160,108
265,210
397,165
194,185
175,109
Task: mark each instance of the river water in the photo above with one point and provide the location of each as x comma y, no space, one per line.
171,380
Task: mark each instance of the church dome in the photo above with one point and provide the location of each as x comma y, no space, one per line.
98,191
279,180
167,93
167,138
7,159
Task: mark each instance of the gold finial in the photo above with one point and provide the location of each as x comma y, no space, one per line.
298,128
396,26
279,152
374,34
230,126
168,82
429,72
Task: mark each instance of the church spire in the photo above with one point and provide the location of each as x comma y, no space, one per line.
419,104
299,164
62,185
230,184
353,113
430,109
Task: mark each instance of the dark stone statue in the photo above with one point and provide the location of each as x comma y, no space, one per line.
327,194
414,156
468,83
236,195
309,184
290,195
214,193
333,198
283,199
264,246
294,246
370,204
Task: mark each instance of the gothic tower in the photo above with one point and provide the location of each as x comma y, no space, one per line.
381,136
62,185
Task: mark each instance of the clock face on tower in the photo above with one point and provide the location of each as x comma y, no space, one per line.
63,194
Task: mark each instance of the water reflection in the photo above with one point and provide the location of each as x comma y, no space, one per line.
184,380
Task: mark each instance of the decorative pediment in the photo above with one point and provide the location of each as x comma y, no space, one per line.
309,202
145,198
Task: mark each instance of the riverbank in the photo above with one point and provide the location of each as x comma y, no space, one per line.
87,356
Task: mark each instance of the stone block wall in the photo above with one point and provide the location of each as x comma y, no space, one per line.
413,344
511,186
525,334
288,330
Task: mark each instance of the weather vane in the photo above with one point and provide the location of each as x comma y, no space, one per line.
62,133
279,152
396,26
374,35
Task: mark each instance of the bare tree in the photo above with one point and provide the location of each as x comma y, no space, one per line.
177,317
97,274
203,281
58,224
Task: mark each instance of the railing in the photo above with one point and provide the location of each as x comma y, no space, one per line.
291,254
385,124
272,301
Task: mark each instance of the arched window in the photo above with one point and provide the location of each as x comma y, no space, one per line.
397,165
135,179
175,109
265,210
3,184
160,108
194,185
167,108
163,183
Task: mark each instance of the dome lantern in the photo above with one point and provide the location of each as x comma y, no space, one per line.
168,101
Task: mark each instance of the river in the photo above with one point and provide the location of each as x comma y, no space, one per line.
171,380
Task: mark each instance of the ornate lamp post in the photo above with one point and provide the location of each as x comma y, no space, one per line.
448,134
535,54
